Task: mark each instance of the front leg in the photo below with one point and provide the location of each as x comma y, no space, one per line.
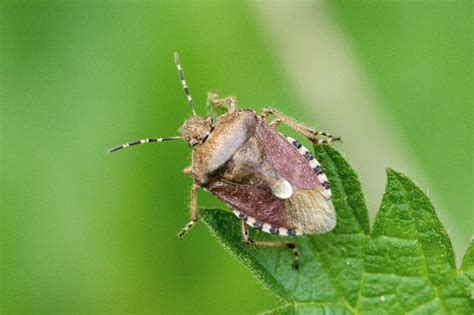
188,170
215,102
194,212
309,133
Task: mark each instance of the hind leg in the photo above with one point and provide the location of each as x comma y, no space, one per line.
292,246
307,132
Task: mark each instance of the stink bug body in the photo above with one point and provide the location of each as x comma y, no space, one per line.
271,182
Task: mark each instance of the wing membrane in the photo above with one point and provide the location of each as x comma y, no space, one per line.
310,212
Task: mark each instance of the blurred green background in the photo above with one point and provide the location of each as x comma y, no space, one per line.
83,231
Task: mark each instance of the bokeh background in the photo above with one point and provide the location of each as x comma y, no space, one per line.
83,231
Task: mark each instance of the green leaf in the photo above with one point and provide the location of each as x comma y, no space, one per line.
409,258
468,262
467,268
405,266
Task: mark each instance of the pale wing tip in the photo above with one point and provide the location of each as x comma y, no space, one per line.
331,221
328,219
311,212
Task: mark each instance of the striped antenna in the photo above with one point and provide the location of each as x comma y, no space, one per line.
183,81
147,140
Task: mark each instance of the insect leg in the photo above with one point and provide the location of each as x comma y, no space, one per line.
274,124
194,212
309,133
188,170
229,102
292,246
147,140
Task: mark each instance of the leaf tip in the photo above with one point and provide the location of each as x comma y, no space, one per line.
392,174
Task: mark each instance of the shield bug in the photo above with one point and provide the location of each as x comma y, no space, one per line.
271,181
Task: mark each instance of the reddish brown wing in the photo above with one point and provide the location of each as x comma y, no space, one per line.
310,208
287,161
263,160
254,202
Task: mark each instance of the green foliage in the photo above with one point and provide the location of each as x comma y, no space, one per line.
468,268
405,265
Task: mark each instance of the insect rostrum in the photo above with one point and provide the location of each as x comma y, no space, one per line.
271,181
